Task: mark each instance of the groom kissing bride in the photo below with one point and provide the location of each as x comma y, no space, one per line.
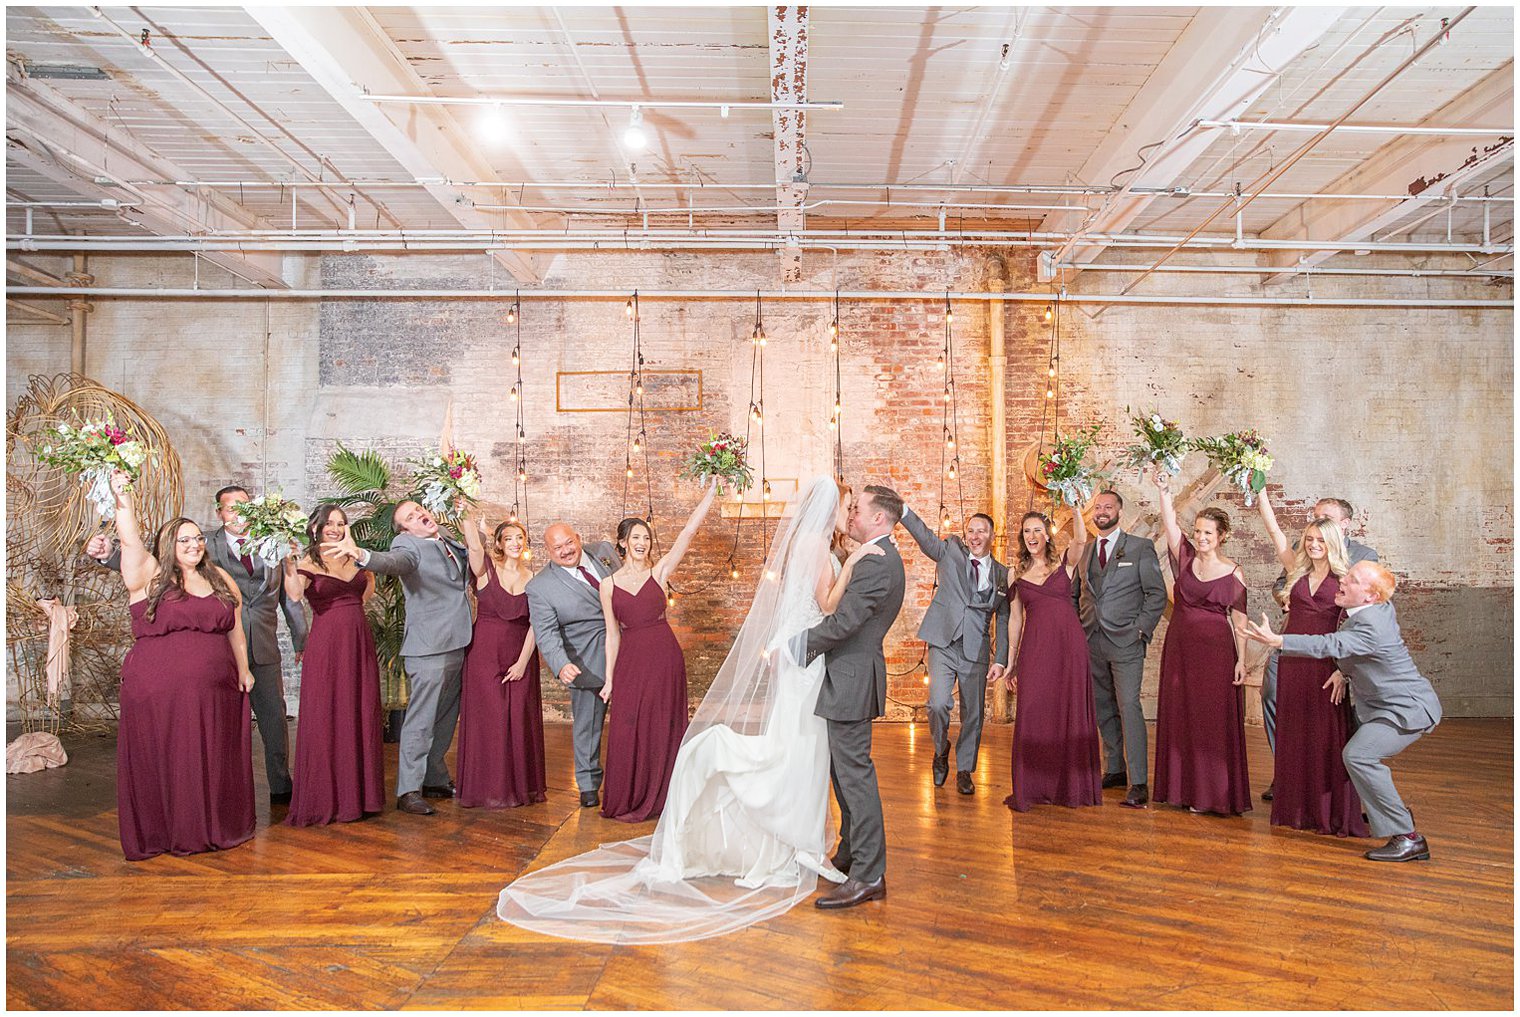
744,831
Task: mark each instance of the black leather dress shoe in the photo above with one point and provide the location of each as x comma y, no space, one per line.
841,862
412,804
1402,848
941,768
588,800
279,798
852,892
438,790
963,782
1114,780
1270,792
1139,795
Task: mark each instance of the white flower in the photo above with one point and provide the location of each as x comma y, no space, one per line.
132,453
469,483
1156,424
294,516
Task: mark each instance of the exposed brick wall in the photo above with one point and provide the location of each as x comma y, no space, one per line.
380,374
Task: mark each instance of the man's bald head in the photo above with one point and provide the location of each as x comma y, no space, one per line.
563,544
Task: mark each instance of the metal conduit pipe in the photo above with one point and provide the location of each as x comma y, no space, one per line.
186,293
1414,273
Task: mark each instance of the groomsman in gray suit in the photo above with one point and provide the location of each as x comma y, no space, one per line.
1338,509
564,602
263,591
973,587
435,573
1120,597
1395,704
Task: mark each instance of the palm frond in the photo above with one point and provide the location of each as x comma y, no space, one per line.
358,473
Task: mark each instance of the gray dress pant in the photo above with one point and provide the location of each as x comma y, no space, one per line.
862,832
1363,755
1116,674
1269,701
268,701
431,713
587,714
949,669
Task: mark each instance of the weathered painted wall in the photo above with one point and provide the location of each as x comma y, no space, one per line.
1407,414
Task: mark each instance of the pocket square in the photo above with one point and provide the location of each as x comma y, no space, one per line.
1124,564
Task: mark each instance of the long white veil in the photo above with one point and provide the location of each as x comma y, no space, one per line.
744,827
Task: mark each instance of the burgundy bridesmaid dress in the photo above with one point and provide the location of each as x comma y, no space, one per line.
647,716
1311,788
1055,732
339,769
1200,712
501,725
184,763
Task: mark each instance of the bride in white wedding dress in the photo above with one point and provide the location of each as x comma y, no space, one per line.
745,827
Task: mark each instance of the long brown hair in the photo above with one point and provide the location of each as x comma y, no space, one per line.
171,578
314,524
1025,558
497,555
836,543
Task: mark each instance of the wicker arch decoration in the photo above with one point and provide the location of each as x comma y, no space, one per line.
45,528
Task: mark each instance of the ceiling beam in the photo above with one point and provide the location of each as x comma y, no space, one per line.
50,134
789,60
1428,169
349,55
1221,63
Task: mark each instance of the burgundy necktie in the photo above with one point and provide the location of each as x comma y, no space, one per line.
976,574
1103,553
247,561
595,583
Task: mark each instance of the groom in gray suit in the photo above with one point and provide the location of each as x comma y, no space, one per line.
1120,597
973,587
264,598
854,692
1395,704
435,573
564,602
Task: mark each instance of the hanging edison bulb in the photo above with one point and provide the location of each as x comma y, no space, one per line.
947,393
514,393
512,315
1052,371
628,308
1050,312
628,471
639,388
949,439
833,422
636,446
1050,393
951,471
765,494
733,572
522,474
516,355
670,600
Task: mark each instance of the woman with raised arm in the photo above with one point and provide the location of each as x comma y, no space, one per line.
339,762
646,671
1055,731
1312,790
184,775
501,721
1200,705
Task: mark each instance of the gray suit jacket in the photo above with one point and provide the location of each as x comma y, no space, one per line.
854,686
567,619
437,606
263,592
1370,652
263,597
1125,598
959,616
1355,552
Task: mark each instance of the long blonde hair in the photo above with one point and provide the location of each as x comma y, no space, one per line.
1335,554
836,542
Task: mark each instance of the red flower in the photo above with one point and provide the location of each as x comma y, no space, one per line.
1050,468
456,472
116,435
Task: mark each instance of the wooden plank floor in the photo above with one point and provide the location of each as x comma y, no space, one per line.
1056,908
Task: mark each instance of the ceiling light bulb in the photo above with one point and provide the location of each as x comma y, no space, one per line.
634,138
494,127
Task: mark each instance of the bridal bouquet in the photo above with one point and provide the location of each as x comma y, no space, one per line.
92,451
1242,457
1063,470
273,522
441,479
1161,444
722,456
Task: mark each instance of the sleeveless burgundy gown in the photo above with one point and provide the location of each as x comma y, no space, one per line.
1312,790
1055,731
184,764
1200,712
501,724
647,716
339,768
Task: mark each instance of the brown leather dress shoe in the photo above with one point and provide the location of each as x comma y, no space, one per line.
1139,795
1270,792
852,892
1114,780
412,804
941,768
1401,848
963,782
438,790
